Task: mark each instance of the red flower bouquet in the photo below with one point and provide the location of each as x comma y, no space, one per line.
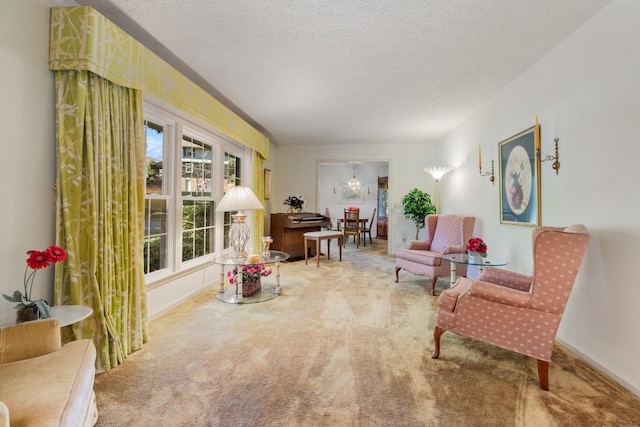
250,272
36,261
476,246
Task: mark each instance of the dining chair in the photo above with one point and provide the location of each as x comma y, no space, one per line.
351,225
366,229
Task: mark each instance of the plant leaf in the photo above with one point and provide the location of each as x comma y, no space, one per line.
43,307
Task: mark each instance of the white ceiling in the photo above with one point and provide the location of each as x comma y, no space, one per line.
351,71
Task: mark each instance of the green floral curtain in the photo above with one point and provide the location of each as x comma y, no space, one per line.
100,149
258,188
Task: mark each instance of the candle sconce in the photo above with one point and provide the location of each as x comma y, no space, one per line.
556,164
491,175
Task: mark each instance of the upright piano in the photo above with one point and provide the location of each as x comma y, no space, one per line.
287,230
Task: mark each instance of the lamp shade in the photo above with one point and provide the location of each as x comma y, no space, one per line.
437,172
239,198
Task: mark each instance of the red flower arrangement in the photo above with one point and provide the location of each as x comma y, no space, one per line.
36,261
250,273
476,246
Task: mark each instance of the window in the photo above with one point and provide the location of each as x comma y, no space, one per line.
232,177
156,213
198,219
188,169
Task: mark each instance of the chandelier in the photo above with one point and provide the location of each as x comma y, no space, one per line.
353,183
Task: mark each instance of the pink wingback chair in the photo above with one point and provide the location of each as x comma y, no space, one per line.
445,234
514,311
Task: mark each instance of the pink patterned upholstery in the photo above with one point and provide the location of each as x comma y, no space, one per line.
444,234
514,311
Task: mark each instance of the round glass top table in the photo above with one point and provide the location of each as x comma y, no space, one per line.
481,262
233,293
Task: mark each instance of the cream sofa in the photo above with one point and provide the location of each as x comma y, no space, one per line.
43,383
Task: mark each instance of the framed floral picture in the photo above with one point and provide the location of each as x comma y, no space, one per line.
520,179
351,196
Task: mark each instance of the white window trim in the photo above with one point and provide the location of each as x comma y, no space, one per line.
176,124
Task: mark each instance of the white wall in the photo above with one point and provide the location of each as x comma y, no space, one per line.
28,145
586,93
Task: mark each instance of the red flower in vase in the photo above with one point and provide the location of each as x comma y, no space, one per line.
477,245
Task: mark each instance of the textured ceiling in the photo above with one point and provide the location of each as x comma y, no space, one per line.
351,71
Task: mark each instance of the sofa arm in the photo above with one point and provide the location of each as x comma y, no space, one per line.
29,339
4,415
499,294
509,279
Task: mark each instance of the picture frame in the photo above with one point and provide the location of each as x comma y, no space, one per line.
350,196
519,176
267,184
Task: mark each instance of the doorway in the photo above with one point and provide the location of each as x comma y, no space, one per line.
335,194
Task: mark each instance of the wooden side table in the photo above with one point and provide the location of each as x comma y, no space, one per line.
318,236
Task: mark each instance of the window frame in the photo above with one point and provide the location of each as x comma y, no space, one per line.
176,124
216,145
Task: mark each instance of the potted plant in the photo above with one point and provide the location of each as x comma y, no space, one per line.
295,203
28,308
417,205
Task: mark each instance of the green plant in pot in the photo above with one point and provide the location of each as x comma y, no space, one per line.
28,308
417,205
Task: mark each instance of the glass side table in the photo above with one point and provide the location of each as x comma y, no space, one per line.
455,259
233,294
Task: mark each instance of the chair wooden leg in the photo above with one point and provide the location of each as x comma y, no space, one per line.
433,285
397,269
437,333
543,374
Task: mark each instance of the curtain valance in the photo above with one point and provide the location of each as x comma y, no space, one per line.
83,39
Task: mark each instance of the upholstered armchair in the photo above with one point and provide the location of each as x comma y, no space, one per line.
515,311
445,234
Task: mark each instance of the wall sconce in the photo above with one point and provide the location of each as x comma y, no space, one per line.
437,172
334,190
556,164
491,175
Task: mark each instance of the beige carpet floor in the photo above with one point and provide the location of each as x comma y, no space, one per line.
343,346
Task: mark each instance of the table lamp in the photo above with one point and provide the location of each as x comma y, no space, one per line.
240,199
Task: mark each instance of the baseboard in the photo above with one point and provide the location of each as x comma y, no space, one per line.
591,361
179,302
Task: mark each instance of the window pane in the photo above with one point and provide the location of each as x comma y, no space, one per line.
232,171
196,167
155,235
232,177
198,228
154,135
